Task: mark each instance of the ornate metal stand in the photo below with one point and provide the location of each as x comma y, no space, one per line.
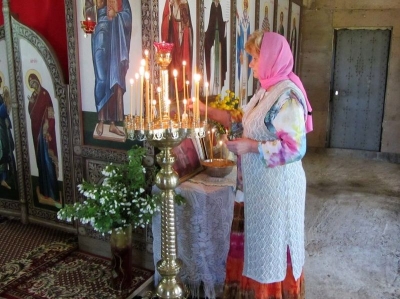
165,134
167,180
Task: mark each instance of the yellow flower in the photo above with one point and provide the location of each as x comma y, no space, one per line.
230,103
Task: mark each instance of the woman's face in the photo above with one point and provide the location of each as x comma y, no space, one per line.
254,63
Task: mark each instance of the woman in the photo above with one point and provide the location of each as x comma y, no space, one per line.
268,261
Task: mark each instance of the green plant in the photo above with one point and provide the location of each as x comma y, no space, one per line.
119,200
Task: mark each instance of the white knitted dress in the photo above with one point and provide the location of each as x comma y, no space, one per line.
274,199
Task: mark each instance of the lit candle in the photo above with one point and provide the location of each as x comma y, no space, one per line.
193,109
147,77
212,141
143,64
146,55
141,72
153,109
131,81
184,115
151,102
196,90
136,90
183,78
220,148
175,72
159,101
206,86
187,89
211,147
168,107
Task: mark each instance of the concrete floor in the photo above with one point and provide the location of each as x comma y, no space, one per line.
352,226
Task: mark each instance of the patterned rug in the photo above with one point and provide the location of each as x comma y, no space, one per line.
60,270
17,239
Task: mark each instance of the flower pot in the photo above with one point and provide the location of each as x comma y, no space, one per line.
121,254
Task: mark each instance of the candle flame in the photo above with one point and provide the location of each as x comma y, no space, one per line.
131,81
136,76
184,101
147,75
175,73
143,62
184,62
158,89
141,71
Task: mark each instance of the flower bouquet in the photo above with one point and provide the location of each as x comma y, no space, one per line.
230,103
119,201
116,206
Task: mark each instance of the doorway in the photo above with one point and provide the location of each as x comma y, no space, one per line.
358,88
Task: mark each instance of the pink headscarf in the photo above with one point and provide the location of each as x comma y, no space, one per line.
276,64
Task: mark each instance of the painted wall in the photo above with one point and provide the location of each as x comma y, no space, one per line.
319,19
47,17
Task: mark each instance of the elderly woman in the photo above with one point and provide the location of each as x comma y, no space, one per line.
266,256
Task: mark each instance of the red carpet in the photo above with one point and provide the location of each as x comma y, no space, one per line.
16,239
67,274
59,270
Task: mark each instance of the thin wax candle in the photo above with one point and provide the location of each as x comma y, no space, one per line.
131,102
147,76
184,115
183,78
151,102
175,72
211,147
187,90
159,101
196,90
136,90
206,87
141,72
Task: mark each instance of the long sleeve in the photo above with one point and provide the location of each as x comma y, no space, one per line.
286,121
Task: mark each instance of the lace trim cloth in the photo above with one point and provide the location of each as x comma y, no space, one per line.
203,227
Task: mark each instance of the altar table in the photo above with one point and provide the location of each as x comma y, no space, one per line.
203,226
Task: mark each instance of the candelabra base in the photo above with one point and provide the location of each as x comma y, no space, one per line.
170,286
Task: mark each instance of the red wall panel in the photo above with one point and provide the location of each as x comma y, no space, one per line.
47,17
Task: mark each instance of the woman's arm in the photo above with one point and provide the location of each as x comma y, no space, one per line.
287,123
219,115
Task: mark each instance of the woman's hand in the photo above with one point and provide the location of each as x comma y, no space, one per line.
202,106
242,146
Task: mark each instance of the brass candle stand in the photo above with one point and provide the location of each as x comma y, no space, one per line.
166,133
167,180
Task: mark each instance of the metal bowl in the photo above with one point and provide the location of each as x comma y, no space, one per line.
218,167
